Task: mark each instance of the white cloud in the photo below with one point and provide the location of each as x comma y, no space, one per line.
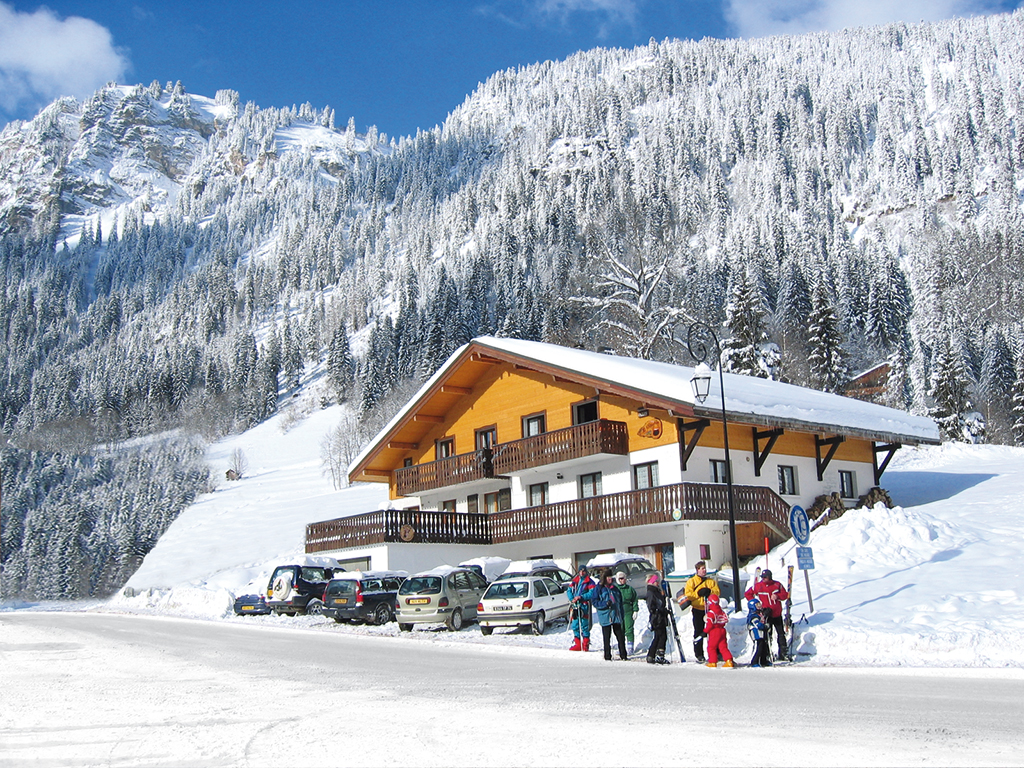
523,13
43,56
757,18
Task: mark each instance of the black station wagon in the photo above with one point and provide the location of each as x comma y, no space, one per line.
363,596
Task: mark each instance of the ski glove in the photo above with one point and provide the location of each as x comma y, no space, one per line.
703,592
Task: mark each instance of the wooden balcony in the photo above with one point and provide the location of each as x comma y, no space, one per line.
695,501
463,468
576,442
410,526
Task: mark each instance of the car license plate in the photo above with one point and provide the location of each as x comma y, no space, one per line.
417,601
248,607
340,600
503,608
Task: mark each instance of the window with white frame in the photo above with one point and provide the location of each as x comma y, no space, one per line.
847,484
787,481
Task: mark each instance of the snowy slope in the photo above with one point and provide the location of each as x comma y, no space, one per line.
935,582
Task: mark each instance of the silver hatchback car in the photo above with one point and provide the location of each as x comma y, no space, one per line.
444,595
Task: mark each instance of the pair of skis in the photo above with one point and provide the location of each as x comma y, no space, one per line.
790,627
672,620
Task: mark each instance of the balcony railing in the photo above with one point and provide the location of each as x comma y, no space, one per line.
695,501
444,472
413,526
576,442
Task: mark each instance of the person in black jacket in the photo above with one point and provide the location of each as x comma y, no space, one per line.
657,610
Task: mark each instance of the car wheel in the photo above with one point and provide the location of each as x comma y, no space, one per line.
486,630
314,608
405,627
382,615
539,624
455,620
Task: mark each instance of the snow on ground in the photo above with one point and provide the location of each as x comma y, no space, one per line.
934,582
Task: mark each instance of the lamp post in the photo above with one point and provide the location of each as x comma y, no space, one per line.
700,341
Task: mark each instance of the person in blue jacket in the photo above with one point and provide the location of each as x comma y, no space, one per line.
581,593
758,634
608,601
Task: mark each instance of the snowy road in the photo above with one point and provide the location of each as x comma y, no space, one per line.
112,690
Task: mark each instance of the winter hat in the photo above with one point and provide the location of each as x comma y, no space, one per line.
753,605
712,598
766,575
620,575
652,579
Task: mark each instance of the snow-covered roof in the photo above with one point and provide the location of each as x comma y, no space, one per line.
360,575
747,399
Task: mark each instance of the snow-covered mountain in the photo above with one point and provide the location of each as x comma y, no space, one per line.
830,202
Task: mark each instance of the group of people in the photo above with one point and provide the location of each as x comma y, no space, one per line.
617,605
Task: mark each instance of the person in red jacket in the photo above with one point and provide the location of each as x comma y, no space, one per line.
715,621
772,596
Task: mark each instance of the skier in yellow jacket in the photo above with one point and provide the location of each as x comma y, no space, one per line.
695,593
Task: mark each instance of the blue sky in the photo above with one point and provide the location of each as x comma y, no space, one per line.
399,64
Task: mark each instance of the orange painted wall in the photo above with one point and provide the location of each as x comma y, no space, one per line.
506,394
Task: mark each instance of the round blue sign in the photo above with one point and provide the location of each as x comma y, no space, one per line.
800,525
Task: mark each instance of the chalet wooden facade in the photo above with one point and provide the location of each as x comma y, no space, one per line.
525,449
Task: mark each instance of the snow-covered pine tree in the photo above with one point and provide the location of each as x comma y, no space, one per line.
825,343
746,351
949,393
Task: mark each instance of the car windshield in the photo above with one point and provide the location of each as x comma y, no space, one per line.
421,585
508,589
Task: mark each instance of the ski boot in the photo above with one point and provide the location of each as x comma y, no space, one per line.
575,644
662,660
728,665
712,664
586,644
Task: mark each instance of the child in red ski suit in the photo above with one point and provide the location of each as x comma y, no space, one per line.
715,621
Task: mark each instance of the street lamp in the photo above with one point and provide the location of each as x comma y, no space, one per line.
700,341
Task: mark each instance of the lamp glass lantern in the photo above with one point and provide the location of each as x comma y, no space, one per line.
701,382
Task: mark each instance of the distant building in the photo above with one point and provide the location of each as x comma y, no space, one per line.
524,450
869,385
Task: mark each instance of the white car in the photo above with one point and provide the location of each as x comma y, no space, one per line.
521,601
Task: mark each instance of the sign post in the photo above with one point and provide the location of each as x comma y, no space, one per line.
801,528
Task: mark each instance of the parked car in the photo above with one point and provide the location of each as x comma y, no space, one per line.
543,567
295,589
636,568
251,605
445,594
367,596
522,601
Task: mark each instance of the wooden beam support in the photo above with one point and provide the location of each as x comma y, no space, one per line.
889,449
377,473
427,419
833,444
450,389
771,435
479,357
403,446
686,448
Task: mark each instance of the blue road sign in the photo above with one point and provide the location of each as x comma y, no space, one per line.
800,525
805,558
